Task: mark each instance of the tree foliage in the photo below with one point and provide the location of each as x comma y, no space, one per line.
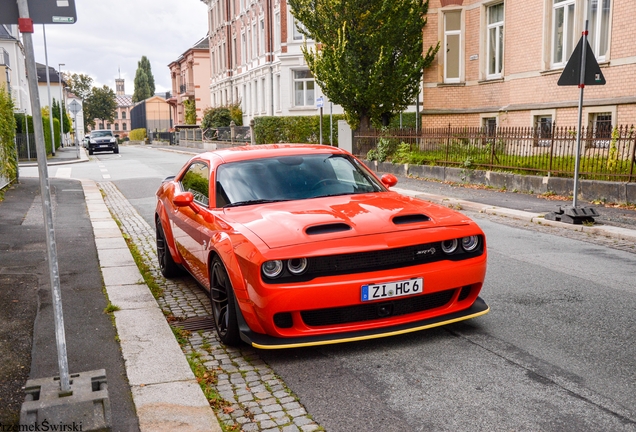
144,81
56,114
101,104
79,84
369,55
190,111
8,158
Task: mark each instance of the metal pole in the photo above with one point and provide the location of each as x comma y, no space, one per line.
331,123
48,88
26,28
578,132
59,75
320,125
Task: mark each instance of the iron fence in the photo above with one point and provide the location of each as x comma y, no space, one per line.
606,153
26,152
242,134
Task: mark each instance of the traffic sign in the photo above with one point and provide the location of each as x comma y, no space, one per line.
40,11
571,75
320,102
74,107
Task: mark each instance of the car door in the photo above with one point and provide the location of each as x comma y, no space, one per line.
189,221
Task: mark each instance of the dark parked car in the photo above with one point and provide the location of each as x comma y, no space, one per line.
102,140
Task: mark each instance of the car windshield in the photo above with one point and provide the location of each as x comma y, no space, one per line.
97,134
291,178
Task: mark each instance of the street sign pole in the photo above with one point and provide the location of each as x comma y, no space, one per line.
26,28
577,161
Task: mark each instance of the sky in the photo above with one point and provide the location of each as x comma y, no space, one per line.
111,36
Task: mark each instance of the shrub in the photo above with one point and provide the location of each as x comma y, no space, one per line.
8,160
138,134
298,129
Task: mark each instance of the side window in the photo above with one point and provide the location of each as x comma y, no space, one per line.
197,181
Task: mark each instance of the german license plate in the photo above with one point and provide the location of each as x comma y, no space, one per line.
392,289
103,145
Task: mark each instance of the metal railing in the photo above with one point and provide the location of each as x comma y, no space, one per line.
606,154
26,152
242,134
186,88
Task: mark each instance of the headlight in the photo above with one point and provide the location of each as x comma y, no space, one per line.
449,246
297,265
470,243
113,140
272,269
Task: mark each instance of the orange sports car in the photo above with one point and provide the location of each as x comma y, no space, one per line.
303,245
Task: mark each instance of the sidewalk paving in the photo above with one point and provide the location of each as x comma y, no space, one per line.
164,390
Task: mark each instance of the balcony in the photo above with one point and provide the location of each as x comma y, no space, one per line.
186,89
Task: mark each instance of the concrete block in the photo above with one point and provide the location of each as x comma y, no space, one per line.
87,408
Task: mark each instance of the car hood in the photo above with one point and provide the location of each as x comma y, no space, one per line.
298,222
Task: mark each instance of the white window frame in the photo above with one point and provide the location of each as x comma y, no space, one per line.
569,32
447,33
243,48
498,27
261,32
254,41
308,101
596,29
277,32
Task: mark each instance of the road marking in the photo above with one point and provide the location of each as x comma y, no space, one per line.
63,173
103,170
106,176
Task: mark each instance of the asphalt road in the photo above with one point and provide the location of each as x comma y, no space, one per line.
557,352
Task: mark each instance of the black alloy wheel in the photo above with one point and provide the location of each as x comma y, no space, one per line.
168,267
223,306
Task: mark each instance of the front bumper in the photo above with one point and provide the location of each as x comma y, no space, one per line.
262,341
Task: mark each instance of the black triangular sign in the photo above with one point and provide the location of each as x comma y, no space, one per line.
572,73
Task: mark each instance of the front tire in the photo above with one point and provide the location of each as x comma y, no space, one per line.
223,304
116,150
168,267
90,151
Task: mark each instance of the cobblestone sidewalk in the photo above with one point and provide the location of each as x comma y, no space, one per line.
246,394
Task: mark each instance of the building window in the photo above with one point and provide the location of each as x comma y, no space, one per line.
543,130
124,126
303,88
262,36
255,107
263,98
277,31
254,41
243,49
116,114
123,114
116,126
563,34
490,125
277,92
598,13
452,42
234,52
298,26
602,129
495,43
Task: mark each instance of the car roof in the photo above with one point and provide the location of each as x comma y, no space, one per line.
234,154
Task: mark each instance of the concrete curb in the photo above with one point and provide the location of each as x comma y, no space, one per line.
54,162
538,218
166,394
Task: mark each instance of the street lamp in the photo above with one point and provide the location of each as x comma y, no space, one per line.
59,74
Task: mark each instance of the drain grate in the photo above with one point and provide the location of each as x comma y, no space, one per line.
196,323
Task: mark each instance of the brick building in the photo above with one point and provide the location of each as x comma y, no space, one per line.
500,62
256,60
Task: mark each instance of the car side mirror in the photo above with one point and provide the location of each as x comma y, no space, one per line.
389,180
185,199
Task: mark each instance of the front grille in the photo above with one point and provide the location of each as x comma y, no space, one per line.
385,259
374,311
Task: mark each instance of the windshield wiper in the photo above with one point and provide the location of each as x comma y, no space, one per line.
256,201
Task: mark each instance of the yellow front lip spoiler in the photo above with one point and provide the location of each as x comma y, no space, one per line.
478,308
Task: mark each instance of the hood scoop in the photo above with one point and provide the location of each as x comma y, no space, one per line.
410,219
327,228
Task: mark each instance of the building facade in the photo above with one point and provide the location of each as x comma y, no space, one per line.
500,61
190,75
13,68
152,114
256,60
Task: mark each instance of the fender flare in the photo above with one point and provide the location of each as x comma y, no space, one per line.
160,218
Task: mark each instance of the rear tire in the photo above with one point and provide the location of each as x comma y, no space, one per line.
168,267
223,304
116,150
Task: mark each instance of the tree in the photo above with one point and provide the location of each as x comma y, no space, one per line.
142,89
101,105
8,159
369,55
65,117
81,86
144,81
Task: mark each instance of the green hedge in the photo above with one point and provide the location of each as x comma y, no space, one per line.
298,129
